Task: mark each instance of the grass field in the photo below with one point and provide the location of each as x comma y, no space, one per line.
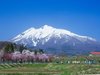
49,69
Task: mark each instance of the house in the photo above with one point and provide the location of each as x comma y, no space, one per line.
97,54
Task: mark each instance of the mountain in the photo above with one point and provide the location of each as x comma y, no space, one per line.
57,41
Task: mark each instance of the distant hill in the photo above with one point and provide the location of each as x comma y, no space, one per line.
9,46
3,43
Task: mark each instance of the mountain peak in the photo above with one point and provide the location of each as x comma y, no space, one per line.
47,27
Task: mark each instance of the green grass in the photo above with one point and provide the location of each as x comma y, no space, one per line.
49,69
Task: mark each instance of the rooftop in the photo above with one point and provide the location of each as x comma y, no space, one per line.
95,53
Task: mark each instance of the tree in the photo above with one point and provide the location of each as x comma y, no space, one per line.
41,51
35,52
9,48
21,47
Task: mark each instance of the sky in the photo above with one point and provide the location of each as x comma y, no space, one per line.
79,16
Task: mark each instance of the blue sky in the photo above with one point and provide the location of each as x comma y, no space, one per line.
79,16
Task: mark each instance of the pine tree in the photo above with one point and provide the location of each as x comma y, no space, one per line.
41,51
9,48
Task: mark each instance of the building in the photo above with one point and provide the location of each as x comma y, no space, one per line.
97,54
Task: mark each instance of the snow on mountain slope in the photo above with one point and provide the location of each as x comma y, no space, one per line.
55,40
47,32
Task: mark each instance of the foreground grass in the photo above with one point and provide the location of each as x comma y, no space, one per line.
49,69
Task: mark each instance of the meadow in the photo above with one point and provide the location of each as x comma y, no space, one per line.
48,69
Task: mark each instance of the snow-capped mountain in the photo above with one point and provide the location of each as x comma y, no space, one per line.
55,40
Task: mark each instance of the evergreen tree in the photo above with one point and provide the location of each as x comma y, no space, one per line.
9,48
41,51
35,52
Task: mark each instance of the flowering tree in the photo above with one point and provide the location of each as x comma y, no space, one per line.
7,57
1,55
16,56
25,56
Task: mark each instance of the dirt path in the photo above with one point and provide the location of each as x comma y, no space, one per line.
29,72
